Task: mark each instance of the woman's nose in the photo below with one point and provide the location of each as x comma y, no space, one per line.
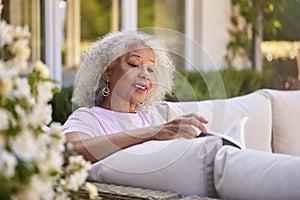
144,73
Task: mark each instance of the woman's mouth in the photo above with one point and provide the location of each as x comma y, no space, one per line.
140,87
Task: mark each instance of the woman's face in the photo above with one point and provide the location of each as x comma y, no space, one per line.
131,79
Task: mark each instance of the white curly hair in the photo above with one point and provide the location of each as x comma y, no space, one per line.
101,54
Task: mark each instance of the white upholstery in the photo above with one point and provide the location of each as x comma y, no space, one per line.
286,121
251,174
181,165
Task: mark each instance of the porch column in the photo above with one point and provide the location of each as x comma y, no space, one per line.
36,30
73,34
129,14
15,12
52,34
193,51
189,35
115,15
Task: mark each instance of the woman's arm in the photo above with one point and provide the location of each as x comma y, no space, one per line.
97,148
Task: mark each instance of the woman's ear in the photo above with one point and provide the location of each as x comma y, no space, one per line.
108,70
105,75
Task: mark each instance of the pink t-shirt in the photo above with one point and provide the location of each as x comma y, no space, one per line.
97,121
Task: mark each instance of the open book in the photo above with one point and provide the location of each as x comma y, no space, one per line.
235,134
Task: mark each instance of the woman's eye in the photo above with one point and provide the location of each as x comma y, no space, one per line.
133,65
150,70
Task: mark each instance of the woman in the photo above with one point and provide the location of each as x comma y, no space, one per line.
119,78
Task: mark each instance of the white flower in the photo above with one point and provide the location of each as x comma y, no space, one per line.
23,116
5,85
42,143
9,70
6,81
41,113
62,184
51,163
78,163
17,66
62,196
44,90
2,141
57,137
92,190
48,159
4,119
8,163
24,145
75,181
51,146
21,113
20,52
22,32
40,187
6,34
20,49
22,89
77,171
41,69
24,109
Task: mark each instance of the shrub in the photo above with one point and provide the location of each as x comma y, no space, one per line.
217,84
61,105
280,70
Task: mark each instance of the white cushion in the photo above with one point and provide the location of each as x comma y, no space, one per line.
180,165
222,113
250,174
286,121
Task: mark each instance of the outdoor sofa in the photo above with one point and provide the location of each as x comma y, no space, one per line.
273,126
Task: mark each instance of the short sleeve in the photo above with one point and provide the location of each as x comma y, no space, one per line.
83,120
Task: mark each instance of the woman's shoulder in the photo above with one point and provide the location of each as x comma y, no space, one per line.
85,112
84,120
88,109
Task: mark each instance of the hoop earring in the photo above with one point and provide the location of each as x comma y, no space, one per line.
105,91
141,104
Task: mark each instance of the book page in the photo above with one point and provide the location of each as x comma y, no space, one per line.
236,133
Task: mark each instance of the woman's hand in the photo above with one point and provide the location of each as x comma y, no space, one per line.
181,127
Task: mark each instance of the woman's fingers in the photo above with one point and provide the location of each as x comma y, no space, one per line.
195,120
183,127
199,117
186,131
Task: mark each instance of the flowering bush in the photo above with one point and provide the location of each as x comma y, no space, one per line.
32,164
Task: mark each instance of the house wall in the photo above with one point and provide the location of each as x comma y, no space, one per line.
215,21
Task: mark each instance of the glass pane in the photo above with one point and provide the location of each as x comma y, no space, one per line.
167,19
95,19
146,13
